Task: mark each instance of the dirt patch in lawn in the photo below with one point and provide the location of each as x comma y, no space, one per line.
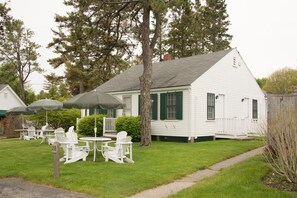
276,181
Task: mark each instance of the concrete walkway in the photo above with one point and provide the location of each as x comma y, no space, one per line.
178,185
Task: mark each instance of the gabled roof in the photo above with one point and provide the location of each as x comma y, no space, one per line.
172,73
2,86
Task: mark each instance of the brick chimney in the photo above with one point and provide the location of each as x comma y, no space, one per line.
167,57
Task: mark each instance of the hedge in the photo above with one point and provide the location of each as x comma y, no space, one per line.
56,119
86,125
131,125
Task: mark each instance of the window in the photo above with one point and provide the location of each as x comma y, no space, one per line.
109,112
255,109
154,107
171,106
210,106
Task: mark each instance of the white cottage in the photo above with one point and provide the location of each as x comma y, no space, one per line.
8,99
207,95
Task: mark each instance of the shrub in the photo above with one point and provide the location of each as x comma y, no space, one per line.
86,125
130,124
61,118
281,139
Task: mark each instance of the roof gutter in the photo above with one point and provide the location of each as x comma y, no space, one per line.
153,90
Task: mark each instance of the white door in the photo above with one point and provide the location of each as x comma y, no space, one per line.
128,109
245,108
220,113
220,106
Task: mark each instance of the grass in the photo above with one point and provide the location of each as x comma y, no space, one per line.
243,180
161,163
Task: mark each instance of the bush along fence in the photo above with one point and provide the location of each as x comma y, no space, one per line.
281,136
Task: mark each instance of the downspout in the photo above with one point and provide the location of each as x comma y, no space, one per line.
190,120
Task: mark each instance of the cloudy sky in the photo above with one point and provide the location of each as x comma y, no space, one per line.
264,32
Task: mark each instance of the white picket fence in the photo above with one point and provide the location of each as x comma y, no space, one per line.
236,126
109,126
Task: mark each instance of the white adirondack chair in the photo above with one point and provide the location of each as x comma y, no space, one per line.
59,136
118,153
31,134
41,133
72,151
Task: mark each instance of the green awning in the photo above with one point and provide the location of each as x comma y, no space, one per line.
2,113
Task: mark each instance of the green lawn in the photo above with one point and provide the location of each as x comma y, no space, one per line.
161,163
242,180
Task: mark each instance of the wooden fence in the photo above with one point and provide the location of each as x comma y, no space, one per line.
278,103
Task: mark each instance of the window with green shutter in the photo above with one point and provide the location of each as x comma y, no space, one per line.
171,106
154,107
210,106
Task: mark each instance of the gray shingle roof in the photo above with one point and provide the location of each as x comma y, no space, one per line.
2,86
173,73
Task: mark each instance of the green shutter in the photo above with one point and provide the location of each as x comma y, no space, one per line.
114,113
154,97
103,111
179,105
163,106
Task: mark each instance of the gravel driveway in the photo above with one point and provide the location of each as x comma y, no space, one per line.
19,188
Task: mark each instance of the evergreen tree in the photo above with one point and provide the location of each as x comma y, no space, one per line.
198,29
216,25
4,18
89,44
180,36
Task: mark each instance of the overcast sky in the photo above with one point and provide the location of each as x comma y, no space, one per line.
264,32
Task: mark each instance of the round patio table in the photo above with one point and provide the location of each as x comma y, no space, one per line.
95,140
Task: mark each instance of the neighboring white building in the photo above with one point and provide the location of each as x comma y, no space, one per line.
8,99
198,96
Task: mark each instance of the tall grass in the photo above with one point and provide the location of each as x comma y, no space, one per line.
281,141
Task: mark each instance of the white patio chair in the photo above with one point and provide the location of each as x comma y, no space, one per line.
41,133
118,153
72,151
30,135
59,135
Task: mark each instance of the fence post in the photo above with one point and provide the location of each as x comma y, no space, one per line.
55,151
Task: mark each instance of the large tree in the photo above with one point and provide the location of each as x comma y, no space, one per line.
198,28
94,38
4,17
56,88
180,36
215,32
89,44
17,49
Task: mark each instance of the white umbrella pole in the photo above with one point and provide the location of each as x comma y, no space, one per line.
46,117
95,129
23,123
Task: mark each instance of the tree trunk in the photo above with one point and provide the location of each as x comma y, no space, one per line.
145,79
22,90
21,78
81,86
